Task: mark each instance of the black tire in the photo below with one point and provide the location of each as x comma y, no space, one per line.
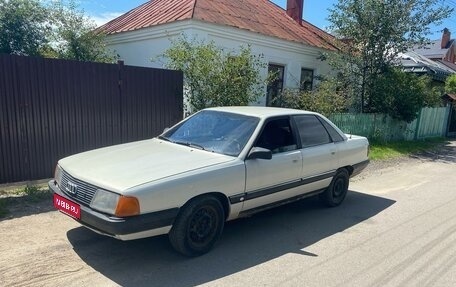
337,190
198,226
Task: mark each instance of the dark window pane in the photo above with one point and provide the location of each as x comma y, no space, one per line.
277,136
307,79
336,137
275,87
311,131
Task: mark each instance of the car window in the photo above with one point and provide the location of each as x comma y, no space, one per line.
335,136
311,131
277,136
215,131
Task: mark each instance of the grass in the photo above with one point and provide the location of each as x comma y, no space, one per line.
389,150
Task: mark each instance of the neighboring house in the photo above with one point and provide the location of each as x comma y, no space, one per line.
290,45
440,50
418,64
436,60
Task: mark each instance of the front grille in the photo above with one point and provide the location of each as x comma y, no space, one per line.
84,192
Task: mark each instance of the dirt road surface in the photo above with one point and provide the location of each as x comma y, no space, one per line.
397,227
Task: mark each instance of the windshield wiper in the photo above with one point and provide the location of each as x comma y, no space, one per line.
189,144
163,138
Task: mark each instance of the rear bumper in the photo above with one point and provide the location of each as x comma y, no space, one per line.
359,167
143,225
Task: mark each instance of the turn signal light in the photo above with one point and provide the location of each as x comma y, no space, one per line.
127,206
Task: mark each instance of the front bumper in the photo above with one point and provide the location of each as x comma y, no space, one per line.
121,227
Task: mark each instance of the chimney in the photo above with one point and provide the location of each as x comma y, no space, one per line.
446,37
294,9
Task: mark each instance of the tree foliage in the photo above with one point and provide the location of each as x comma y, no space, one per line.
23,27
402,95
75,35
450,84
54,29
373,33
216,77
327,98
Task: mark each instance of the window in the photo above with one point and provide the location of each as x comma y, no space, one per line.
214,131
311,131
277,136
307,76
335,136
275,87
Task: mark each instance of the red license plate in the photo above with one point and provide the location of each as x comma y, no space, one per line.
67,206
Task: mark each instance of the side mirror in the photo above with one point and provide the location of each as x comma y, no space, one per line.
165,130
259,153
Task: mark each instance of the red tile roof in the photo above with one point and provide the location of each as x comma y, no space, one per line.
260,16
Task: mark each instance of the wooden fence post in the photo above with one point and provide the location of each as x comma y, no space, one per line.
418,122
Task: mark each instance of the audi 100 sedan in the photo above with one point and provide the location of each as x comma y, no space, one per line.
217,165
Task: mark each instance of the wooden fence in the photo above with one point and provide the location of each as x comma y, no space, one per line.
52,108
431,122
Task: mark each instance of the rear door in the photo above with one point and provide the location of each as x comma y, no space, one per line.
319,152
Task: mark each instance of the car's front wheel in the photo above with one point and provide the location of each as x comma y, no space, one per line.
198,226
337,190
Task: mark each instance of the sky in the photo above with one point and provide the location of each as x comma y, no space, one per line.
315,12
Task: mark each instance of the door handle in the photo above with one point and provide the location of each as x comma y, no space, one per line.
295,161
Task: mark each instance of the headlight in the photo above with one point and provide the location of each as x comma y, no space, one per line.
58,174
105,201
115,204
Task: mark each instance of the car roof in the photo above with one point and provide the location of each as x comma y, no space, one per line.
261,112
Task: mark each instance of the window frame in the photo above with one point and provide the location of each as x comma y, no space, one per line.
278,88
294,132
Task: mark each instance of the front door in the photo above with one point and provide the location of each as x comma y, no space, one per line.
268,181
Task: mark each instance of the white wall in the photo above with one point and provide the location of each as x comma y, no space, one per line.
139,48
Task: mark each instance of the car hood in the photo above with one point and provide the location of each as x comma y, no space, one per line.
124,166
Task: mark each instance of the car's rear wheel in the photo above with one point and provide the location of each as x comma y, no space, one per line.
198,226
337,190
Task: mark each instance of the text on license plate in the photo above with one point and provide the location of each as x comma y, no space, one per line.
67,206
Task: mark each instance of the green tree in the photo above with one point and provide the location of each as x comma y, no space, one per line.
374,33
450,84
24,27
402,95
75,36
57,30
215,77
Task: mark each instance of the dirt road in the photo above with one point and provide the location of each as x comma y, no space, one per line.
397,227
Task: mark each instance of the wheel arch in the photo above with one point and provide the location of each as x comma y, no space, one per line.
348,168
219,196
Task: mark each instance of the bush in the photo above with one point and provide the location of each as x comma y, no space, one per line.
325,99
402,95
215,77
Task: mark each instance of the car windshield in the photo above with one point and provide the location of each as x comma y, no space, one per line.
214,131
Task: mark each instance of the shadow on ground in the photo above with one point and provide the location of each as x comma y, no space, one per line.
245,243
24,205
445,153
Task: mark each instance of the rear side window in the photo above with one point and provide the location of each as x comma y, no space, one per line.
311,131
336,137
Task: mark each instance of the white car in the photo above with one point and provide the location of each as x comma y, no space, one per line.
217,165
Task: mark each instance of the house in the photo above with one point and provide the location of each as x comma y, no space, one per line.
413,62
290,45
437,59
443,50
